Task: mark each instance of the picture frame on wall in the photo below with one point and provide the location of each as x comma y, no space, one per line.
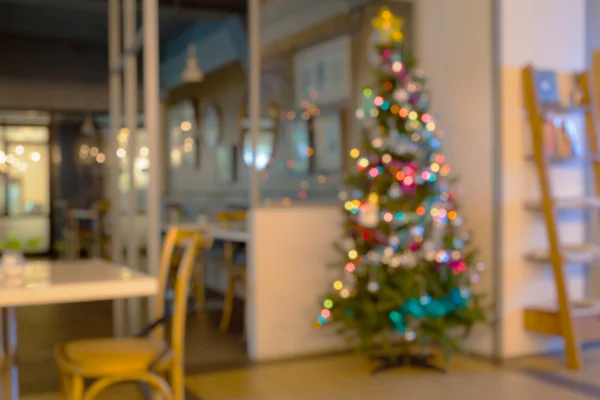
226,163
300,146
329,141
323,72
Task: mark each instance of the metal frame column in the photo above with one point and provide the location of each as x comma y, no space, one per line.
115,110
254,89
152,112
254,75
131,104
126,62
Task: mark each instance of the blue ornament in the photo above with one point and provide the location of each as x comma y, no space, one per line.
425,306
400,327
448,305
460,297
413,306
395,316
436,309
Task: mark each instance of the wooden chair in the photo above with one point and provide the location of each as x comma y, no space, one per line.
144,359
235,273
71,235
197,286
103,238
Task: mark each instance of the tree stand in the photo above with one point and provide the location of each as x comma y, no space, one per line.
406,360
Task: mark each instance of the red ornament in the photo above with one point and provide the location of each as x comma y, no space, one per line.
459,267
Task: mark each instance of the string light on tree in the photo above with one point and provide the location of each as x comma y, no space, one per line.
408,264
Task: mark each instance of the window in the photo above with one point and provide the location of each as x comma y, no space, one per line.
25,179
25,170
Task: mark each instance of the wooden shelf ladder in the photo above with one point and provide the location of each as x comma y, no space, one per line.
576,322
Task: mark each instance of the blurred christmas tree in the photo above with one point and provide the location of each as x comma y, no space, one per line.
408,266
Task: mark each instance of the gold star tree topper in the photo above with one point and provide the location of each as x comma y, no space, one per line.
389,25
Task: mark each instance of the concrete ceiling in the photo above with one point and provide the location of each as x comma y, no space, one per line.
86,20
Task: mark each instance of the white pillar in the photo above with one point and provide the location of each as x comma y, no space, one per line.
131,96
115,107
153,124
254,89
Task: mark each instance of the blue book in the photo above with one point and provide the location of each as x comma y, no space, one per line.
546,85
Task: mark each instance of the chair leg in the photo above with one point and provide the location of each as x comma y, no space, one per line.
228,306
64,384
77,387
178,382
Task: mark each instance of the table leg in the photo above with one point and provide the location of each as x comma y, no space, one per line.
9,349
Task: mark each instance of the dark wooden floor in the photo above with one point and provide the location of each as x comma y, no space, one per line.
41,327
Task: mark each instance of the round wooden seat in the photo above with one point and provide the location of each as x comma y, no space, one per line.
98,357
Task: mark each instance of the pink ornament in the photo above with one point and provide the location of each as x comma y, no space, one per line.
414,246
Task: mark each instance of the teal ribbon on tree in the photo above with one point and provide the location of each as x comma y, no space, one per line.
425,306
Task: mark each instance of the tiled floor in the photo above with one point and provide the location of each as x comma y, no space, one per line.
348,377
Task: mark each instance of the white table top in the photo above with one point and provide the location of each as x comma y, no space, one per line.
239,235
51,282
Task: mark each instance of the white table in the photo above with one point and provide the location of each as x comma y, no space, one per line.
52,282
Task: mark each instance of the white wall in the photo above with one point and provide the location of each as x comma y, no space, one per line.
456,49
550,34
288,278
283,18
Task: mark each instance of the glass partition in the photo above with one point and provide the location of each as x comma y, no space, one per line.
309,157
183,136
315,127
141,165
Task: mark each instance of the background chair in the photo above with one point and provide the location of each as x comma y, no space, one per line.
235,271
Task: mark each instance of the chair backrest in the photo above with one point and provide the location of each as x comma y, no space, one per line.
192,242
227,217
